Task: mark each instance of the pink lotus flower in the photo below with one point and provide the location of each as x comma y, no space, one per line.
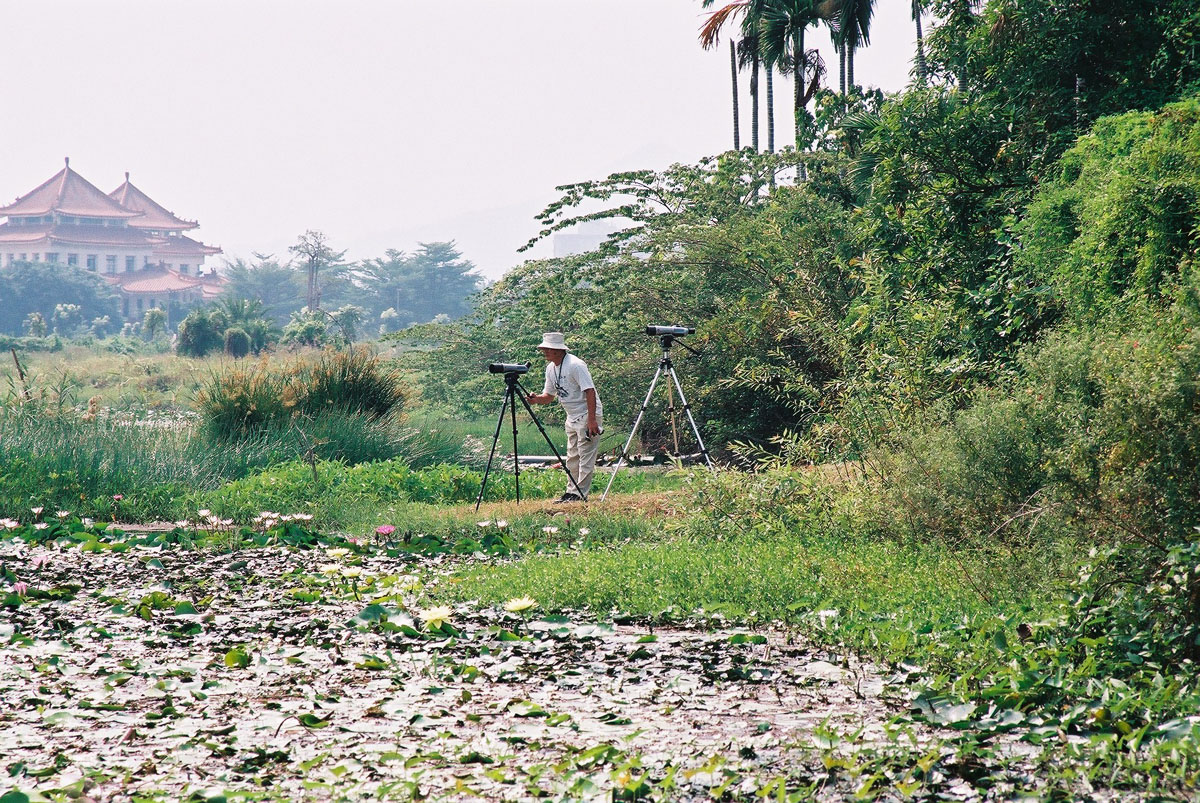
118,497
385,529
20,587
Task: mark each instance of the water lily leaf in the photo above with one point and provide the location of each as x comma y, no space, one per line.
312,721
942,710
185,608
237,658
525,708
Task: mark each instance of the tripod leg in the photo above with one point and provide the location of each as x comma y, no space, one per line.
512,393
687,408
671,410
549,442
491,454
636,423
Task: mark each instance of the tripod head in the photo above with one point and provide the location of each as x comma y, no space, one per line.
511,371
668,334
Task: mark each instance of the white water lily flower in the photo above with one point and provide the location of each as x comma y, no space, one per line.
435,617
204,513
331,568
550,529
183,524
302,516
520,604
352,571
584,531
10,524
41,525
37,511
500,525
409,582
339,552
483,524
62,514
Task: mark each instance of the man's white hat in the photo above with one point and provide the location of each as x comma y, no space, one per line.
554,340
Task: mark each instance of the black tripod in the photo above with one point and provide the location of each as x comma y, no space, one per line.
665,365
512,385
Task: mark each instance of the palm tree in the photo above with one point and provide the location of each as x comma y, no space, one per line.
710,36
918,8
783,25
854,31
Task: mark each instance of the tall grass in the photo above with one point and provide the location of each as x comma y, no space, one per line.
243,401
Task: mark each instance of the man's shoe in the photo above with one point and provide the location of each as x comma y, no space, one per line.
568,497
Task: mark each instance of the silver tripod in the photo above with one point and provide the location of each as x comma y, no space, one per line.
665,365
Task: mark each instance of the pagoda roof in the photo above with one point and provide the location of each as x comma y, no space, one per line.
153,280
67,234
184,247
153,214
68,193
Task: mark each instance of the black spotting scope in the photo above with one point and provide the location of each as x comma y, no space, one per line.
508,368
676,331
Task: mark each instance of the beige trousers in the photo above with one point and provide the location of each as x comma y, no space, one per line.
581,456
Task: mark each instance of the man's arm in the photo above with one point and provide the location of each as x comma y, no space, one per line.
540,398
593,426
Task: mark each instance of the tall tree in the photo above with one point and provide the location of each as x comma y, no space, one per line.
854,31
314,251
918,8
277,287
783,27
710,37
435,280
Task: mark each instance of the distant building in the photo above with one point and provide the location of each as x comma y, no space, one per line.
586,236
136,244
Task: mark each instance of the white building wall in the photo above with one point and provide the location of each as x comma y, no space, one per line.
12,253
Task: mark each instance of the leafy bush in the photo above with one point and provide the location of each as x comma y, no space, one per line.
1101,436
201,332
237,342
1122,216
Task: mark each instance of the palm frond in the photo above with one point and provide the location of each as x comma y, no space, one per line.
710,32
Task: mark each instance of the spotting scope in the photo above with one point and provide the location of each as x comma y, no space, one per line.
676,331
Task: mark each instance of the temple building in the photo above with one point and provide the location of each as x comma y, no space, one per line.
136,244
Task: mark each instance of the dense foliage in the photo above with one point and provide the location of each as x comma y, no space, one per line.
65,299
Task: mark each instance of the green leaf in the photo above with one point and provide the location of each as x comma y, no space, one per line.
312,721
237,658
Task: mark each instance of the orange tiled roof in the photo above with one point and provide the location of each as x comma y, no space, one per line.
98,236
68,193
184,247
154,215
153,280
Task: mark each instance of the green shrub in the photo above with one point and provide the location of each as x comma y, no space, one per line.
1123,214
244,401
201,332
237,342
354,380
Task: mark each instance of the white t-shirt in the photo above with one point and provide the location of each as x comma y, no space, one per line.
568,381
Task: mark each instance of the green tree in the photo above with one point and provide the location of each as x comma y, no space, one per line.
28,287
315,255
434,280
784,23
153,322
278,288
35,325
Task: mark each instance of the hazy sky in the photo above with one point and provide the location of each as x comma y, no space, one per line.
379,122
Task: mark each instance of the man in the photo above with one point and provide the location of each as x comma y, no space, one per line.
568,380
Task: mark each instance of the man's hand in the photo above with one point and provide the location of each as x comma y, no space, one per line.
539,398
593,427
